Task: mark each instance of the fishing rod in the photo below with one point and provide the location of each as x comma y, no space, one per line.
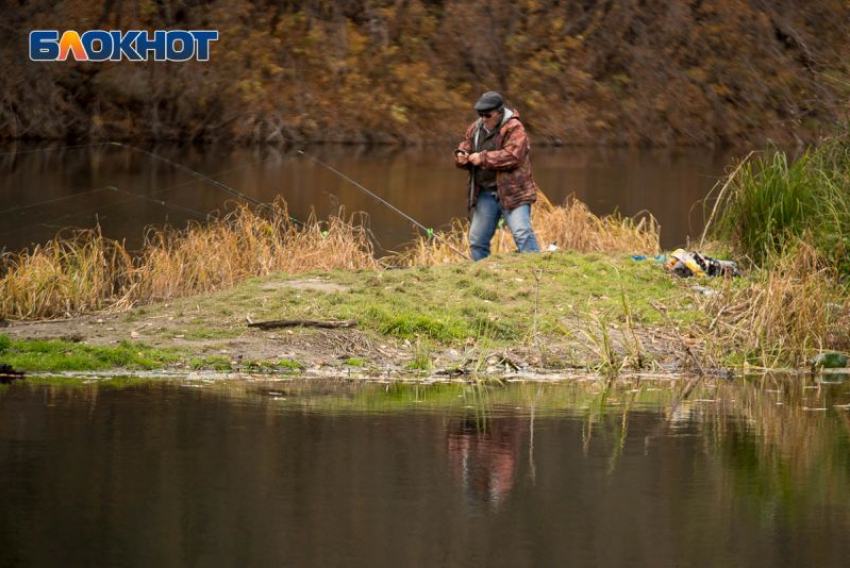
428,231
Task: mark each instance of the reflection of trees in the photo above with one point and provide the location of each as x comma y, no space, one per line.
783,442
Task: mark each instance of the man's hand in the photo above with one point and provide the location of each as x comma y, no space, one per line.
462,158
476,159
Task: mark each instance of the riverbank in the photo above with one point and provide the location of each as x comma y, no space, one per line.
559,311
186,299
595,72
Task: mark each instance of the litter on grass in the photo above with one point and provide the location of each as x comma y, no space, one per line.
689,263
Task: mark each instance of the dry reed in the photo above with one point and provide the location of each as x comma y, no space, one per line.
781,317
209,257
73,273
573,227
570,226
85,271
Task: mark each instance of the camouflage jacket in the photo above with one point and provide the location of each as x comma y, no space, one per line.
512,162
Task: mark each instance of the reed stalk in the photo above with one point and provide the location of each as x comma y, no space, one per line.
773,202
83,271
570,226
782,316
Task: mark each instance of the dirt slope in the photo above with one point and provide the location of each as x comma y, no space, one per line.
581,72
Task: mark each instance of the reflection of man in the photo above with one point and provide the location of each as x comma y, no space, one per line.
496,151
485,459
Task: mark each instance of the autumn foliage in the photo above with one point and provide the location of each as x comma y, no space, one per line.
407,71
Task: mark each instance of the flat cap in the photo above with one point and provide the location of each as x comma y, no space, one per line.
491,100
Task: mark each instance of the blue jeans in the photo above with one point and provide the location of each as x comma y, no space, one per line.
485,217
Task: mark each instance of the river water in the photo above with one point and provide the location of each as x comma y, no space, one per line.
45,189
754,472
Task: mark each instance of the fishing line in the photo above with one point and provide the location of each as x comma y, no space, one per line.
53,149
181,208
17,208
133,196
97,210
89,192
205,216
49,222
190,171
200,177
208,179
428,231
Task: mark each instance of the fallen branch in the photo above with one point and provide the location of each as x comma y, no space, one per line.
274,324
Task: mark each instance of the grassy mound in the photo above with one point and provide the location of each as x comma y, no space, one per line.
84,271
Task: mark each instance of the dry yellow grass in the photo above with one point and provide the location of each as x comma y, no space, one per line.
84,271
209,257
782,316
570,226
73,273
573,227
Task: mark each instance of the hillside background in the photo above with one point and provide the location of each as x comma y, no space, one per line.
658,72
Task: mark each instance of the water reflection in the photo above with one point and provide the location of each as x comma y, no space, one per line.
335,473
125,190
484,455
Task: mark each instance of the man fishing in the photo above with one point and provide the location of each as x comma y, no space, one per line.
496,152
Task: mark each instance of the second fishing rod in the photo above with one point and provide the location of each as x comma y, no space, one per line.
428,231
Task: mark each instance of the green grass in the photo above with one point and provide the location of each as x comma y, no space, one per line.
115,383
281,365
490,304
215,363
65,356
495,298
774,202
222,363
289,365
422,358
201,333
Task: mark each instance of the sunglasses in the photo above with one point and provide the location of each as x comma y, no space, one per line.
487,114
